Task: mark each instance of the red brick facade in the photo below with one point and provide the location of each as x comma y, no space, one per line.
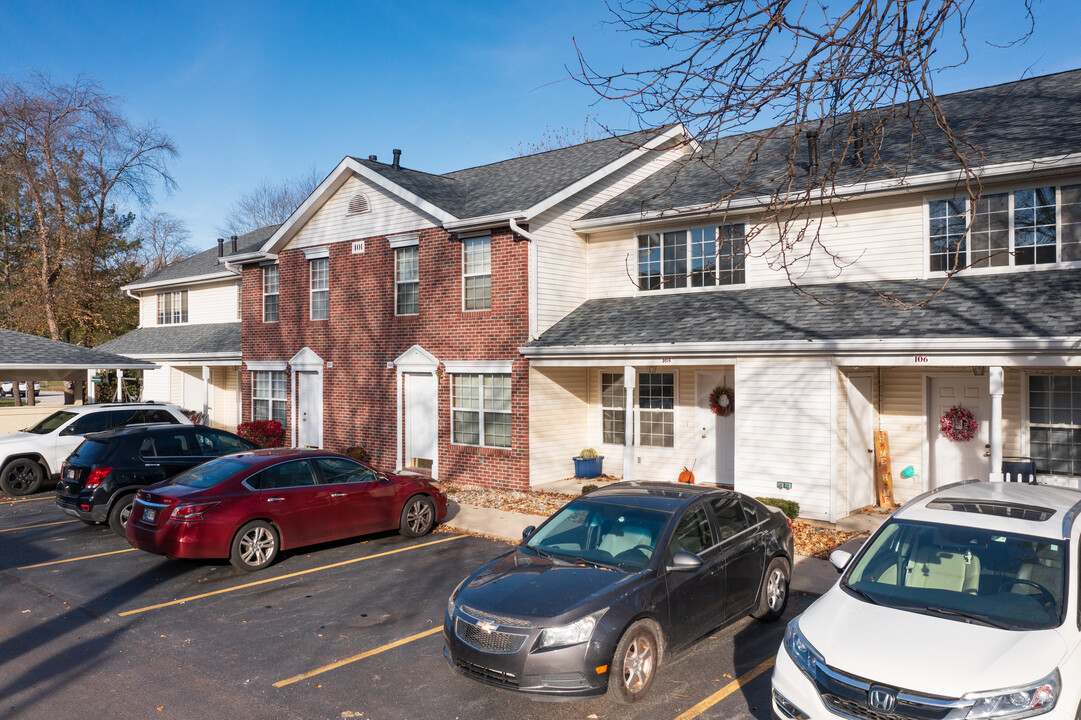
363,335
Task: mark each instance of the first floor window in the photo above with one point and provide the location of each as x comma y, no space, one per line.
613,409
657,410
270,293
477,273
173,307
406,281
1055,424
268,396
320,288
481,410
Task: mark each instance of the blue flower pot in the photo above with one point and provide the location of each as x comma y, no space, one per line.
588,467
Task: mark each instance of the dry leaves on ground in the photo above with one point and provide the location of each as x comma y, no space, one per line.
530,503
819,541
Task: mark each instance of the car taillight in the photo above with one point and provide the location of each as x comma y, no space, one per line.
788,520
191,512
96,477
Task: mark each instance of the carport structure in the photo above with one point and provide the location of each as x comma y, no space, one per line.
28,358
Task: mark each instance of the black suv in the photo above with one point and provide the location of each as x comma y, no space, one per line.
99,480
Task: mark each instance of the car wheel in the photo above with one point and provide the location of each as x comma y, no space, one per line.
120,512
255,546
418,516
21,477
635,662
773,597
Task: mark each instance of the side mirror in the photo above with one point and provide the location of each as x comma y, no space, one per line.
683,561
528,530
839,559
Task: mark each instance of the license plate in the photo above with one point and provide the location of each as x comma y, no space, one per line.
70,474
149,514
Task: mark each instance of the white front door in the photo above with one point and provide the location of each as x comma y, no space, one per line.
714,446
959,460
421,421
861,443
309,409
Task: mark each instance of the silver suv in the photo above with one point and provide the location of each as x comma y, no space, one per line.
30,456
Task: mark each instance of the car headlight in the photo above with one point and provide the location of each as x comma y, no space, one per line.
578,631
801,651
1019,702
451,604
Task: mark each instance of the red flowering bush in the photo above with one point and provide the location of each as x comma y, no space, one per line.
264,433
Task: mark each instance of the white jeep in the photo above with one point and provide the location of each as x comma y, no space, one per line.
30,456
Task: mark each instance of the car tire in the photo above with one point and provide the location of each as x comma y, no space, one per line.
254,546
773,596
635,662
418,516
22,476
120,512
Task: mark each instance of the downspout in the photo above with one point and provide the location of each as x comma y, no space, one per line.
533,305
138,300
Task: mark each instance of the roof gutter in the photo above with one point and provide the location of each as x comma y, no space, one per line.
483,222
189,280
917,183
533,306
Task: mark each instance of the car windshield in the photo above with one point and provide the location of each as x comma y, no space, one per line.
51,423
967,574
210,473
611,536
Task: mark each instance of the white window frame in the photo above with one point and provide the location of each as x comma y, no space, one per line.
723,280
474,275
324,290
276,294
272,400
639,410
481,411
622,407
400,244
173,315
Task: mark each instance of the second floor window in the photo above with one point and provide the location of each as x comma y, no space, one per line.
477,273
699,257
320,288
270,293
406,281
173,307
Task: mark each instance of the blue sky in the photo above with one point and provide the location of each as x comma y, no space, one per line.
267,90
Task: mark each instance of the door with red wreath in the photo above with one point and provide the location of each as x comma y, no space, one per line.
958,459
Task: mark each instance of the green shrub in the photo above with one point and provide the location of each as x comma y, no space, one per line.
588,488
588,453
788,507
357,452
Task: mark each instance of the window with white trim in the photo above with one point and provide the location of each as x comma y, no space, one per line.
1032,226
698,257
657,409
172,307
270,293
613,409
481,409
1055,424
268,395
320,288
477,273
406,280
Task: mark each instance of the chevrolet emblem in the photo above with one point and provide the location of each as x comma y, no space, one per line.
486,626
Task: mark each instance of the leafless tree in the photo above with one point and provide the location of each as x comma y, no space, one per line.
560,138
794,99
270,203
75,155
163,238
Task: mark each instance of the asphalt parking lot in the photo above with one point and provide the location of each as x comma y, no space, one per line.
90,627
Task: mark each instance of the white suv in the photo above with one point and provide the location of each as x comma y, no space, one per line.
29,456
964,604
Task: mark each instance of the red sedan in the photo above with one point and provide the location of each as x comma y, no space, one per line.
250,505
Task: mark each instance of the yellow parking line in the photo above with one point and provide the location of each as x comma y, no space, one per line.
24,500
75,559
354,658
29,527
181,601
727,690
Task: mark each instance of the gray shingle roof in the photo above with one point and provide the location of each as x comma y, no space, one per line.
1034,118
206,262
178,340
21,350
514,184
974,306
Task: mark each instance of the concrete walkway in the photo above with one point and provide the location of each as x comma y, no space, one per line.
810,575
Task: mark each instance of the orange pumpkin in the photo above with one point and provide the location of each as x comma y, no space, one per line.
686,476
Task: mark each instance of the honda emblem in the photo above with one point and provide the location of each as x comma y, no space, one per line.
881,698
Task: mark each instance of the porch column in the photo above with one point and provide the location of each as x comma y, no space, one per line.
77,391
119,385
629,381
206,395
31,399
996,386
91,391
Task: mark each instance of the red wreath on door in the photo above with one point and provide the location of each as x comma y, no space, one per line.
958,424
722,401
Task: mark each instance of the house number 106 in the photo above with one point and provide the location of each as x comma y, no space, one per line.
921,359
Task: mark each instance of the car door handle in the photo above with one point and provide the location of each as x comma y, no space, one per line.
274,499
337,495
151,464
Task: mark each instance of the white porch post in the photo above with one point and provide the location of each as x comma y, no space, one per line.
398,446
77,391
91,391
995,380
629,381
206,394
119,385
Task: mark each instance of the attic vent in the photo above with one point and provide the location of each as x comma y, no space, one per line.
358,204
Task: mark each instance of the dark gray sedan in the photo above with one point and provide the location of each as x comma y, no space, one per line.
593,599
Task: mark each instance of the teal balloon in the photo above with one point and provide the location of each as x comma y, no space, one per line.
908,472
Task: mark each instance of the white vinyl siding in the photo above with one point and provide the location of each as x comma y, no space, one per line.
156,385
902,417
785,430
558,427
333,223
